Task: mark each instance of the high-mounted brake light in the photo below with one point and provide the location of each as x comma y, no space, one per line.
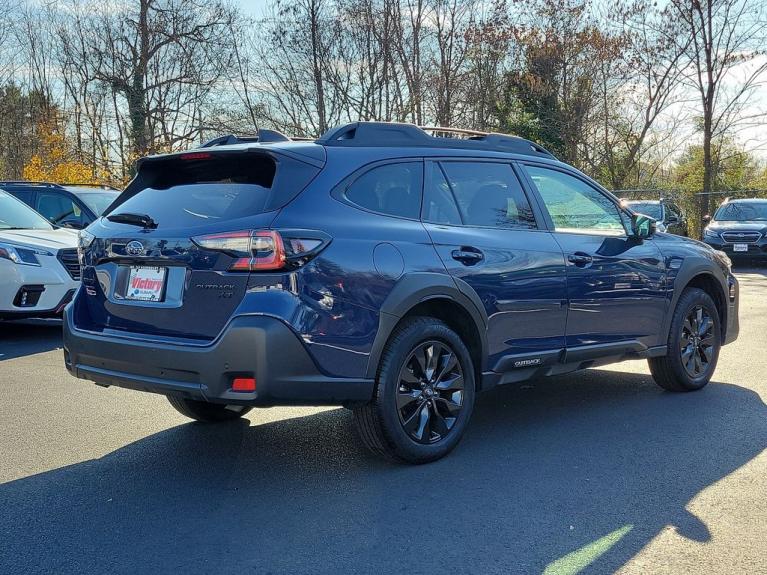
196,156
265,250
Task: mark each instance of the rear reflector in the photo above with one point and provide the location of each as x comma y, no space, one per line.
244,384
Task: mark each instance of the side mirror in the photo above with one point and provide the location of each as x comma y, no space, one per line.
642,227
707,218
673,220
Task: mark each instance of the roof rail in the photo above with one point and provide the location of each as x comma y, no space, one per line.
28,183
87,185
378,134
263,137
459,131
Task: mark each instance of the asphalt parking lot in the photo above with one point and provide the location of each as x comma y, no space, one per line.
592,473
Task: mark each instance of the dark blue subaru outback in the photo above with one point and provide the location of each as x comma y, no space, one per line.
384,269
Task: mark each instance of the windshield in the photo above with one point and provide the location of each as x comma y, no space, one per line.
651,209
741,212
16,215
98,201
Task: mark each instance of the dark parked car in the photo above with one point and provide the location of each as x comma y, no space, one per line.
739,228
669,216
66,206
387,270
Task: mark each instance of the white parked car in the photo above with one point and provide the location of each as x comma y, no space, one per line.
39,269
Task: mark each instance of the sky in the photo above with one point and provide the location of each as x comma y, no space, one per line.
252,7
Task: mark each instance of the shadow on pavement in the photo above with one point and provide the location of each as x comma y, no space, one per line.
20,338
577,471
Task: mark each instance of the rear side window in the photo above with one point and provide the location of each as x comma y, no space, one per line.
391,189
489,194
439,205
23,195
213,187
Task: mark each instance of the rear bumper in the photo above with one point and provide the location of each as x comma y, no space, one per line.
251,346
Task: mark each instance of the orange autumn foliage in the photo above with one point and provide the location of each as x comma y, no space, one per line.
55,162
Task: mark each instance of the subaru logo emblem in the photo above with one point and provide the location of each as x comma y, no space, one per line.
134,248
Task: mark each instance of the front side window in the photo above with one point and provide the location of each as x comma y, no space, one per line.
60,209
573,204
391,189
488,194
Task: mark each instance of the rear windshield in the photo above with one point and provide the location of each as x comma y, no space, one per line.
648,209
208,188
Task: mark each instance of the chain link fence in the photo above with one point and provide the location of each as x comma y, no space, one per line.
695,205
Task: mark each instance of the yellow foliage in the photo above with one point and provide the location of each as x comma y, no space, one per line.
56,162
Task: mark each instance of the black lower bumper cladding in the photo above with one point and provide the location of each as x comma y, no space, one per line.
251,346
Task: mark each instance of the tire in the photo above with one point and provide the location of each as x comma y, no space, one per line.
207,412
419,410
690,361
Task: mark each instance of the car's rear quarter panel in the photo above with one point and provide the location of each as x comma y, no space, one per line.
341,291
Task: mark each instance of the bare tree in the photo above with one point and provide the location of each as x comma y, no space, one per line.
161,57
636,88
297,59
726,55
451,20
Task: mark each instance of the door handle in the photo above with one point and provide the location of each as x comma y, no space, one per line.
580,259
468,256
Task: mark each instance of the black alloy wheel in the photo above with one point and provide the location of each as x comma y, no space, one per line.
430,392
424,393
694,338
697,341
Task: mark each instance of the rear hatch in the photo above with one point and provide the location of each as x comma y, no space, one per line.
154,265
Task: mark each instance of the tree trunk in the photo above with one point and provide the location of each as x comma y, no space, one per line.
136,93
317,67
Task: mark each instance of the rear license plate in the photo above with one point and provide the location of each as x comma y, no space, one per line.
740,247
146,283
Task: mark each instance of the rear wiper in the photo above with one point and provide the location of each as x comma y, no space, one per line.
136,219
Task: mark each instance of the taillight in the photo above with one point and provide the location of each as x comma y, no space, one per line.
265,250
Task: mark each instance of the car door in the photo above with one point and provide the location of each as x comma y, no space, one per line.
615,282
489,239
